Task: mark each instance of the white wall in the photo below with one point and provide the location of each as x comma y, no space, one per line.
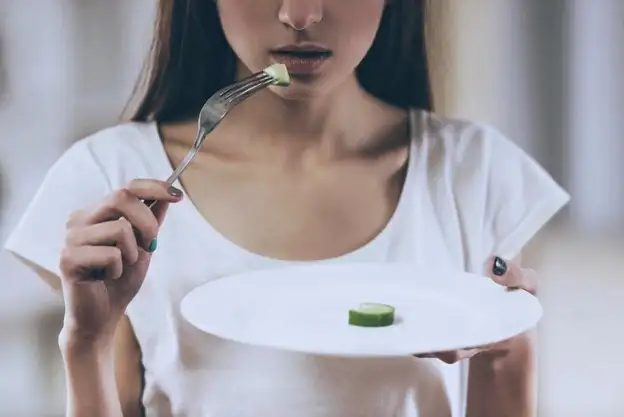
596,61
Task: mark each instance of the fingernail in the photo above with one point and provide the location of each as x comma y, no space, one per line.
174,192
152,245
499,267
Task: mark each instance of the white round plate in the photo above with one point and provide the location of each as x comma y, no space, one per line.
305,309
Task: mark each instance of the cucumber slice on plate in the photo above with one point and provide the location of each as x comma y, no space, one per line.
279,72
372,315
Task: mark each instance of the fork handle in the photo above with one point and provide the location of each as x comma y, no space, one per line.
201,133
172,178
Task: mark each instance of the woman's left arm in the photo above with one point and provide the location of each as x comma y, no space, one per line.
502,380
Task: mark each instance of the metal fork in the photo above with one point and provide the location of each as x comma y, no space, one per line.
213,112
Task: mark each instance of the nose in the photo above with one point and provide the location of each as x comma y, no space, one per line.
300,14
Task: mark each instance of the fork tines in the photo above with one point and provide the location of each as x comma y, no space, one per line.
246,87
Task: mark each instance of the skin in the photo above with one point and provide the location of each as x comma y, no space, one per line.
293,154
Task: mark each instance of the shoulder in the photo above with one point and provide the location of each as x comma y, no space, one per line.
125,137
499,191
462,141
118,153
475,156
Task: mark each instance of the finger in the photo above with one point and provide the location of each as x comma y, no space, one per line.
173,194
529,280
505,273
136,190
451,357
77,262
497,267
425,356
114,233
480,348
512,275
123,203
154,189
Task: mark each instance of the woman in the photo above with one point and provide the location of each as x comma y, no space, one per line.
283,179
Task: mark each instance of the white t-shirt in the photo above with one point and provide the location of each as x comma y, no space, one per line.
469,193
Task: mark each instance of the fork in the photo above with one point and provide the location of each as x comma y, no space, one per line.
213,112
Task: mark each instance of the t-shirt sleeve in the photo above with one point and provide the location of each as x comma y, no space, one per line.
521,197
74,181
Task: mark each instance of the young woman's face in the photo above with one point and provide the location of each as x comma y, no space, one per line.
320,41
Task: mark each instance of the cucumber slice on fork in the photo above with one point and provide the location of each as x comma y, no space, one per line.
279,72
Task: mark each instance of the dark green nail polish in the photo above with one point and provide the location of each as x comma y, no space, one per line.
500,267
152,245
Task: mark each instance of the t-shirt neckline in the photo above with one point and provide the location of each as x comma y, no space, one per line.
377,243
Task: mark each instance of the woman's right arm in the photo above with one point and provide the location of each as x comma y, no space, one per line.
90,379
104,380
92,242
100,381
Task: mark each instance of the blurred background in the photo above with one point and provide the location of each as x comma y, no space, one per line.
549,74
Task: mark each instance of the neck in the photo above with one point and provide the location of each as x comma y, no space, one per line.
306,120
345,121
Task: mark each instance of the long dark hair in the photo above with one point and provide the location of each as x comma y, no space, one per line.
190,59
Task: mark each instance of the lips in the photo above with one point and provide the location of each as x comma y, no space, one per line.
302,59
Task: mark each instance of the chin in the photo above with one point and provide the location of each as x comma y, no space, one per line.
308,87
295,93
